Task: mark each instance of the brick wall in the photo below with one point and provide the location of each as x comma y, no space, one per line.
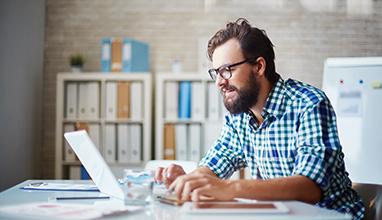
304,33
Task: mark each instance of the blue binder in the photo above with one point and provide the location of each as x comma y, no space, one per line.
135,56
84,174
184,110
106,55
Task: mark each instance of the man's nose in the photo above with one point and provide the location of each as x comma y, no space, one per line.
220,81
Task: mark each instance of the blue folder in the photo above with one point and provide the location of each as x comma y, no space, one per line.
135,56
106,55
184,110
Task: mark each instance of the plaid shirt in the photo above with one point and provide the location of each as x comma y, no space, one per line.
297,137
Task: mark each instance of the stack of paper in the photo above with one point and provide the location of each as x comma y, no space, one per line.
63,210
60,187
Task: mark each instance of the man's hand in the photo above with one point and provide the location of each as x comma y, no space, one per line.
169,174
203,184
199,186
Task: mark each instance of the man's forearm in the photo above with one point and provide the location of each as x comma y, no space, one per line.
298,188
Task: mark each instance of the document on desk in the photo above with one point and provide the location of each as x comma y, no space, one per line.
61,187
64,210
212,207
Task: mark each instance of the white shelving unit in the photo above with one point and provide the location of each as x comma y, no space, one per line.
205,121
62,166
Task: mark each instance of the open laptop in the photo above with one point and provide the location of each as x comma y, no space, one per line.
105,180
94,163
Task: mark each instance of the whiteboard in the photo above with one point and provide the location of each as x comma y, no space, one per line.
354,87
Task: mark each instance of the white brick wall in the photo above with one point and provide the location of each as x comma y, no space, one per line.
304,35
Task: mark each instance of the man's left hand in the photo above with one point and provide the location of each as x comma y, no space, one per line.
198,186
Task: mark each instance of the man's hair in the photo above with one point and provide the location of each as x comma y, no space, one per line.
253,42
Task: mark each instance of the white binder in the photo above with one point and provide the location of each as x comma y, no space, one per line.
171,100
223,109
69,155
181,142
75,172
194,142
212,131
83,100
94,133
123,143
110,143
71,100
136,100
213,102
93,100
197,101
135,143
111,100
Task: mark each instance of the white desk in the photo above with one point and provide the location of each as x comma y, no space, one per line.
159,211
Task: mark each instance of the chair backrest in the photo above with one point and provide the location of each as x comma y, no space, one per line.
371,195
188,166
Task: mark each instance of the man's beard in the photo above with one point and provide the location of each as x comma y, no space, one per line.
246,97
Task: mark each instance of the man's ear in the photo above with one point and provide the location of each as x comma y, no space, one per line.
260,66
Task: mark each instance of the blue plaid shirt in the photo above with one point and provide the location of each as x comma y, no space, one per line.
297,137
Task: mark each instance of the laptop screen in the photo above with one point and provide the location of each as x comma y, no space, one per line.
94,163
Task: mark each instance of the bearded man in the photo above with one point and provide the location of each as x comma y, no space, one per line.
284,131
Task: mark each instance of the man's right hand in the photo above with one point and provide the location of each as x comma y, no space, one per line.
169,174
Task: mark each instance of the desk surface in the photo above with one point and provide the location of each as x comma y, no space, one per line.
159,211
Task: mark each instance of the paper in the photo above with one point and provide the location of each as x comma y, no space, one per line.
60,187
64,210
350,102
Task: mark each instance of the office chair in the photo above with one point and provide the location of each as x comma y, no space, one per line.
188,166
371,195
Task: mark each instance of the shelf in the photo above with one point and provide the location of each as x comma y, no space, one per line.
70,85
81,120
100,76
124,121
76,163
196,134
183,121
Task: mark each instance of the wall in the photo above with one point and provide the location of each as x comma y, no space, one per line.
304,33
22,25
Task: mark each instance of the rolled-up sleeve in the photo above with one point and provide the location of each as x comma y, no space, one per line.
226,154
318,147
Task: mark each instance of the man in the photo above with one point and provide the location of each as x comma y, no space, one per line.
284,131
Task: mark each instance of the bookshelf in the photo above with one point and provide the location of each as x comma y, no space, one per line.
200,129
86,98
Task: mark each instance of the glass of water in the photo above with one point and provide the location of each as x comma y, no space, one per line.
137,186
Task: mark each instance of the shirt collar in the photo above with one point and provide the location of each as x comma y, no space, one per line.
274,103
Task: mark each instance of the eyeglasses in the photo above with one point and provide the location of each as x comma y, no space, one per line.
224,71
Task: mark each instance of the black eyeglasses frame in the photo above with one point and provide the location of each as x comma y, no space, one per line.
224,71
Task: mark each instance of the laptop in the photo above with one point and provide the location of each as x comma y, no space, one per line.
94,163
106,182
